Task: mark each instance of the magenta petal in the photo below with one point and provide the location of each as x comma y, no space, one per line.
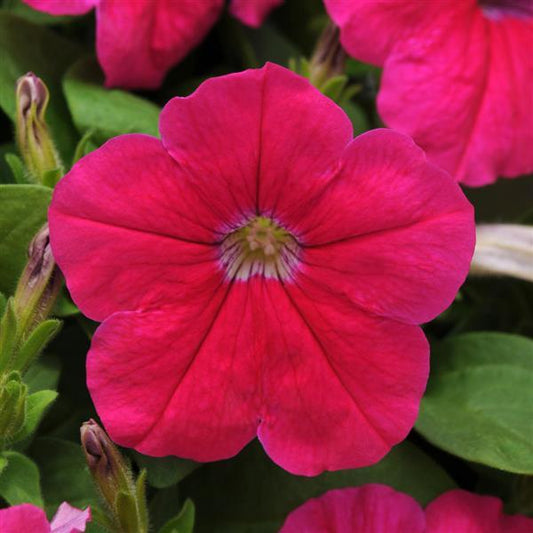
68,519
63,7
106,207
459,510
340,387
253,12
180,381
399,237
23,518
137,42
367,509
268,130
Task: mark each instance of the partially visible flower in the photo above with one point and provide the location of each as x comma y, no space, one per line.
457,77
380,509
137,42
27,518
260,272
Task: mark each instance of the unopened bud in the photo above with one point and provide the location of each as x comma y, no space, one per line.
328,58
504,249
33,137
39,284
113,477
13,406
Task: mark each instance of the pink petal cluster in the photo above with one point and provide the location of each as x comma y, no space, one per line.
380,509
27,518
137,42
457,77
260,272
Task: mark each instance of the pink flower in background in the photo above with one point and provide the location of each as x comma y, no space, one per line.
259,272
138,42
457,77
27,518
380,509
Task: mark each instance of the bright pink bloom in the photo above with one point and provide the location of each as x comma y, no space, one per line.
31,519
260,272
457,77
137,42
380,509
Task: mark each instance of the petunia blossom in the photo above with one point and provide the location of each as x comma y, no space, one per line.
380,509
259,272
29,518
457,77
138,42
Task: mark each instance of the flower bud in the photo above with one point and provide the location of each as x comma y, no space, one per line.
13,406
328,58
504,249
33,138
113,477
39,284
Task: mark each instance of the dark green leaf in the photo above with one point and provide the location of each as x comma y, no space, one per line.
19,480
164,471
479,401
43,374
107,112
23,211
183,522
29,47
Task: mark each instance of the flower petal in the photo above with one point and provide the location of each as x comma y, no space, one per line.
253,12
116,250
137,42
340,387
392,232
263,129
63,7
181,381
24,517
459,510
68,519
367,509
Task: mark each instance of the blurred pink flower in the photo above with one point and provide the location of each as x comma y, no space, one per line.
138,42
457,77
27,518
380,509
258,271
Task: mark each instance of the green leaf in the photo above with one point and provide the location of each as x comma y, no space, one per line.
251,489
43,374
29,47
183,522
17,168
163,472
479,400
107,112
19,481
36,406
23,211
65,476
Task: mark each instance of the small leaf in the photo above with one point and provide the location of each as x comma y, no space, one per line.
19,481
183,522
17,168
106,112
43,374
36,406
8,335
479,400
23,211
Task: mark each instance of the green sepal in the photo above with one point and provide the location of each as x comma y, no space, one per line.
17,168
8,335
140,493
126,513
183,522
51,177
13,395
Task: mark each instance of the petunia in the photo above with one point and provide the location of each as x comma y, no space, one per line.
380,509
457,77
259,272
138,42
29,518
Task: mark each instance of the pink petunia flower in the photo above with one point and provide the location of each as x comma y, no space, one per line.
138,42
260,272
31,519
380,509
457,77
